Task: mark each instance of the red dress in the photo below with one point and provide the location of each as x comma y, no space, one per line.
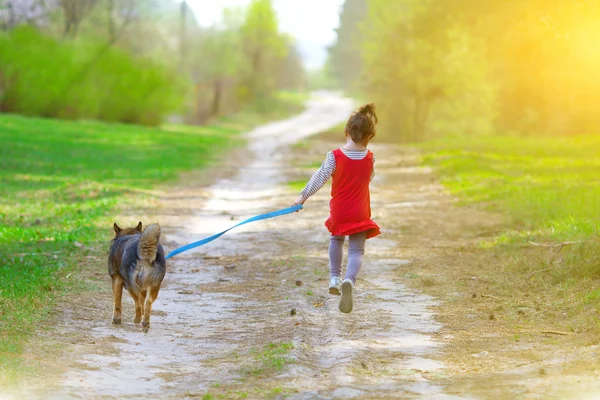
350,206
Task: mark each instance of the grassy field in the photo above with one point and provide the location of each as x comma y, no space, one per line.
550,190
61,184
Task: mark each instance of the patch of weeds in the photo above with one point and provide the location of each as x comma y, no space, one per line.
309,293
593,296
272,358
208,396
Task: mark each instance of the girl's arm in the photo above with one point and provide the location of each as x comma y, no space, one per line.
318,179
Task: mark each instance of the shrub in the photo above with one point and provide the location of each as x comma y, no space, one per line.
42,76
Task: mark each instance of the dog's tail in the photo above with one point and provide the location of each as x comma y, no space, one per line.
149,243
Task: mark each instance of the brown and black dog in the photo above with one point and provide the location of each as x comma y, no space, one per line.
136,260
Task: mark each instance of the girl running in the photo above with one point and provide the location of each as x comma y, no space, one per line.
352,169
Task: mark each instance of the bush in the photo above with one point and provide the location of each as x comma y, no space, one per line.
42,76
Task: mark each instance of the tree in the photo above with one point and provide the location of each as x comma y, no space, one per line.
74,11
344,55
291,71
15,12
526,66
218,59
402,71
264,47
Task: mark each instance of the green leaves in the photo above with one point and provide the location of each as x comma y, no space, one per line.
472,67
265,47
66,79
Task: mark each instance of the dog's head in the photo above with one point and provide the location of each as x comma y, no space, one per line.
127,231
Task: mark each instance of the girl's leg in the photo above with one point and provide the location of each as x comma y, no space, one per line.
336,252
356,250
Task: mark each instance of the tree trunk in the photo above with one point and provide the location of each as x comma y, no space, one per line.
67,29
420,118
423,120
414,131
216,98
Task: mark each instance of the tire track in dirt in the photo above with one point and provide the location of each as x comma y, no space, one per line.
223,302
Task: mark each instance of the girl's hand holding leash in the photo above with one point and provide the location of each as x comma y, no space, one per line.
299,200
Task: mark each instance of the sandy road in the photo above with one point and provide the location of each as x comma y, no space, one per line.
221,304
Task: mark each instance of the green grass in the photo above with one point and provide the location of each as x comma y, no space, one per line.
313,165
549,188
61,185
272,358
298,185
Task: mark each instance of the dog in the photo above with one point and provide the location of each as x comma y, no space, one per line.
136,260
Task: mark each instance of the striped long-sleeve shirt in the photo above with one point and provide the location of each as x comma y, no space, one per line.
327,169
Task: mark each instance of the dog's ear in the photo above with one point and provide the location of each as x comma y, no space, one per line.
139,227
117,229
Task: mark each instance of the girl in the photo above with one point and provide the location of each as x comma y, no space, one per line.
352,169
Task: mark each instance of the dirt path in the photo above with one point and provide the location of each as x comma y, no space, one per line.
248,316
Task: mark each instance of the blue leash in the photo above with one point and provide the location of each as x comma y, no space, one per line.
272,214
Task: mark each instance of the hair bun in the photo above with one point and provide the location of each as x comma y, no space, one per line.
368,110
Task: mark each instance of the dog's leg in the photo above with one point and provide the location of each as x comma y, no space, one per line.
139,301
145,298
152,295
117,286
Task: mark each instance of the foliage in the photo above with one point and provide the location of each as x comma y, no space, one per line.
322,78
344,55
291,74
459,66
264,48
169,64
61,183
43,76
222,56
415,76
545,61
